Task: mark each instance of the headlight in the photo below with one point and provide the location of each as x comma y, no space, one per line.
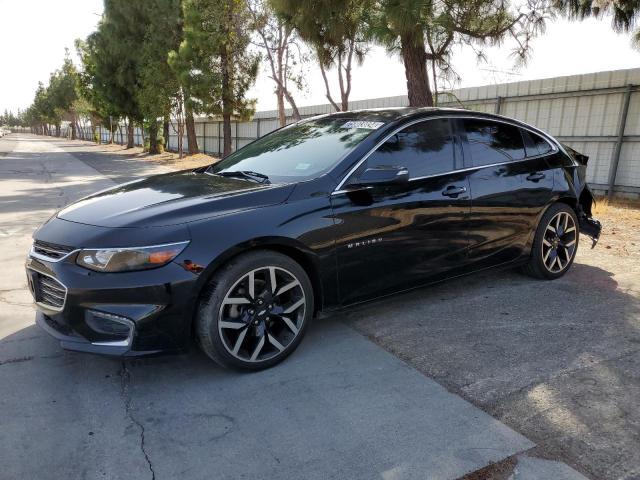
128,259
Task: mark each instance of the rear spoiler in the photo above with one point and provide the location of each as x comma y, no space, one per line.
581,158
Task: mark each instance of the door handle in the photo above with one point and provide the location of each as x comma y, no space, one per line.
453,191
535,177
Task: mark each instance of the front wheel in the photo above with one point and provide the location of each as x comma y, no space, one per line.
555,243
255,311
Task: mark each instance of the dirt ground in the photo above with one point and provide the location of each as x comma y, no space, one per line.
166,159
621,226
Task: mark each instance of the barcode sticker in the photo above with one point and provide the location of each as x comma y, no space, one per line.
362,124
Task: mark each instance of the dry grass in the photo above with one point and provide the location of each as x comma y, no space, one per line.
620,225
603,205
168,159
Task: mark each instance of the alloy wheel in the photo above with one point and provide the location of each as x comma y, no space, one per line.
559,242
262,314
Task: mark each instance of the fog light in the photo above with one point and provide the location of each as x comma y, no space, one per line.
115,326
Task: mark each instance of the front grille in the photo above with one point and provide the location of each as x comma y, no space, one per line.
51,250
48,291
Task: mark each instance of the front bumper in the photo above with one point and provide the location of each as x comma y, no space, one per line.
69,341
122,314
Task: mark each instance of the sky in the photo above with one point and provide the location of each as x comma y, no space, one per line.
34,34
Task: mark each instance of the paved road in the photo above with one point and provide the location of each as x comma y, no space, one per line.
557,361
118,168
342,407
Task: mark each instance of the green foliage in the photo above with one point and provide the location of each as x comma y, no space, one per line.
625,14
63,91
213,62
109,56
282,53
430,30
95,92
157,81
331,27
13,120
335,31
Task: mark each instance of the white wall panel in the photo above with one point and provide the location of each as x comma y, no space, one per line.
570,107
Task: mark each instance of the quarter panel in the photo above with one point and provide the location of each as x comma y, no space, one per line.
505,208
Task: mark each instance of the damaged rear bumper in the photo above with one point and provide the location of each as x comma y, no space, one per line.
591,227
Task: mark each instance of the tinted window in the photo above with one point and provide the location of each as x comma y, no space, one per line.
300,151
535,144
425,148
493,142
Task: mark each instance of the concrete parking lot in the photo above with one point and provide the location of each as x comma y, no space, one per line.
496,374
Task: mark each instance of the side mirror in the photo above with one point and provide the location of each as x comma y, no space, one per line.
383,175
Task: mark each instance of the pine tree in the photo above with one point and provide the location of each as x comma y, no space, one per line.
425,31
213,61
625,14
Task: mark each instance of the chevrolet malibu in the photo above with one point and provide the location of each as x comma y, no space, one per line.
322,214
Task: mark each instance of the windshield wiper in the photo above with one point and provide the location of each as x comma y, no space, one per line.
247,174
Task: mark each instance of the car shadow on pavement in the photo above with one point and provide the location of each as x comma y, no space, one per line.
557,361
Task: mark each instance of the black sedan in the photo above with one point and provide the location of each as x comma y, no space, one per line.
328,212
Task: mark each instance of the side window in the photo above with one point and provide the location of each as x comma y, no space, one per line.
535,144
493,142
426,148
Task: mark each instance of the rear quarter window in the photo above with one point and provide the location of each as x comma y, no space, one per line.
493,142
535,144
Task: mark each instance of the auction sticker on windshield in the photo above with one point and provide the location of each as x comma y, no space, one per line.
362,124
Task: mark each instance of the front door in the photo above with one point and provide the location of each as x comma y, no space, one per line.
390,238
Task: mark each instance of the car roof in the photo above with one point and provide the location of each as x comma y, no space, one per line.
388,115
401,114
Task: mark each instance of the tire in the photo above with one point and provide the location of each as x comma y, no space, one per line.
551,254
243,322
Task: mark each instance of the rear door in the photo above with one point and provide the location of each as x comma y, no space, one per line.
393,237
510,186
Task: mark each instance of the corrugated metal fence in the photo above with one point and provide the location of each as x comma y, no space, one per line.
598,114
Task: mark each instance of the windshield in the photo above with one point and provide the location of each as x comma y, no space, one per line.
298,152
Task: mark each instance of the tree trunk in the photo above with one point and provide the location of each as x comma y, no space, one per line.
226,134
153,138
414,57
58,130
191,131
227,103
144,140
74,135
165,131
326,85
295,112
282,116
180,137
130,133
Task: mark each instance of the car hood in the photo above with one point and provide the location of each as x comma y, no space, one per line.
171,199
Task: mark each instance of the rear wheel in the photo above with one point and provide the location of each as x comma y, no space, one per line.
555,243
255,311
